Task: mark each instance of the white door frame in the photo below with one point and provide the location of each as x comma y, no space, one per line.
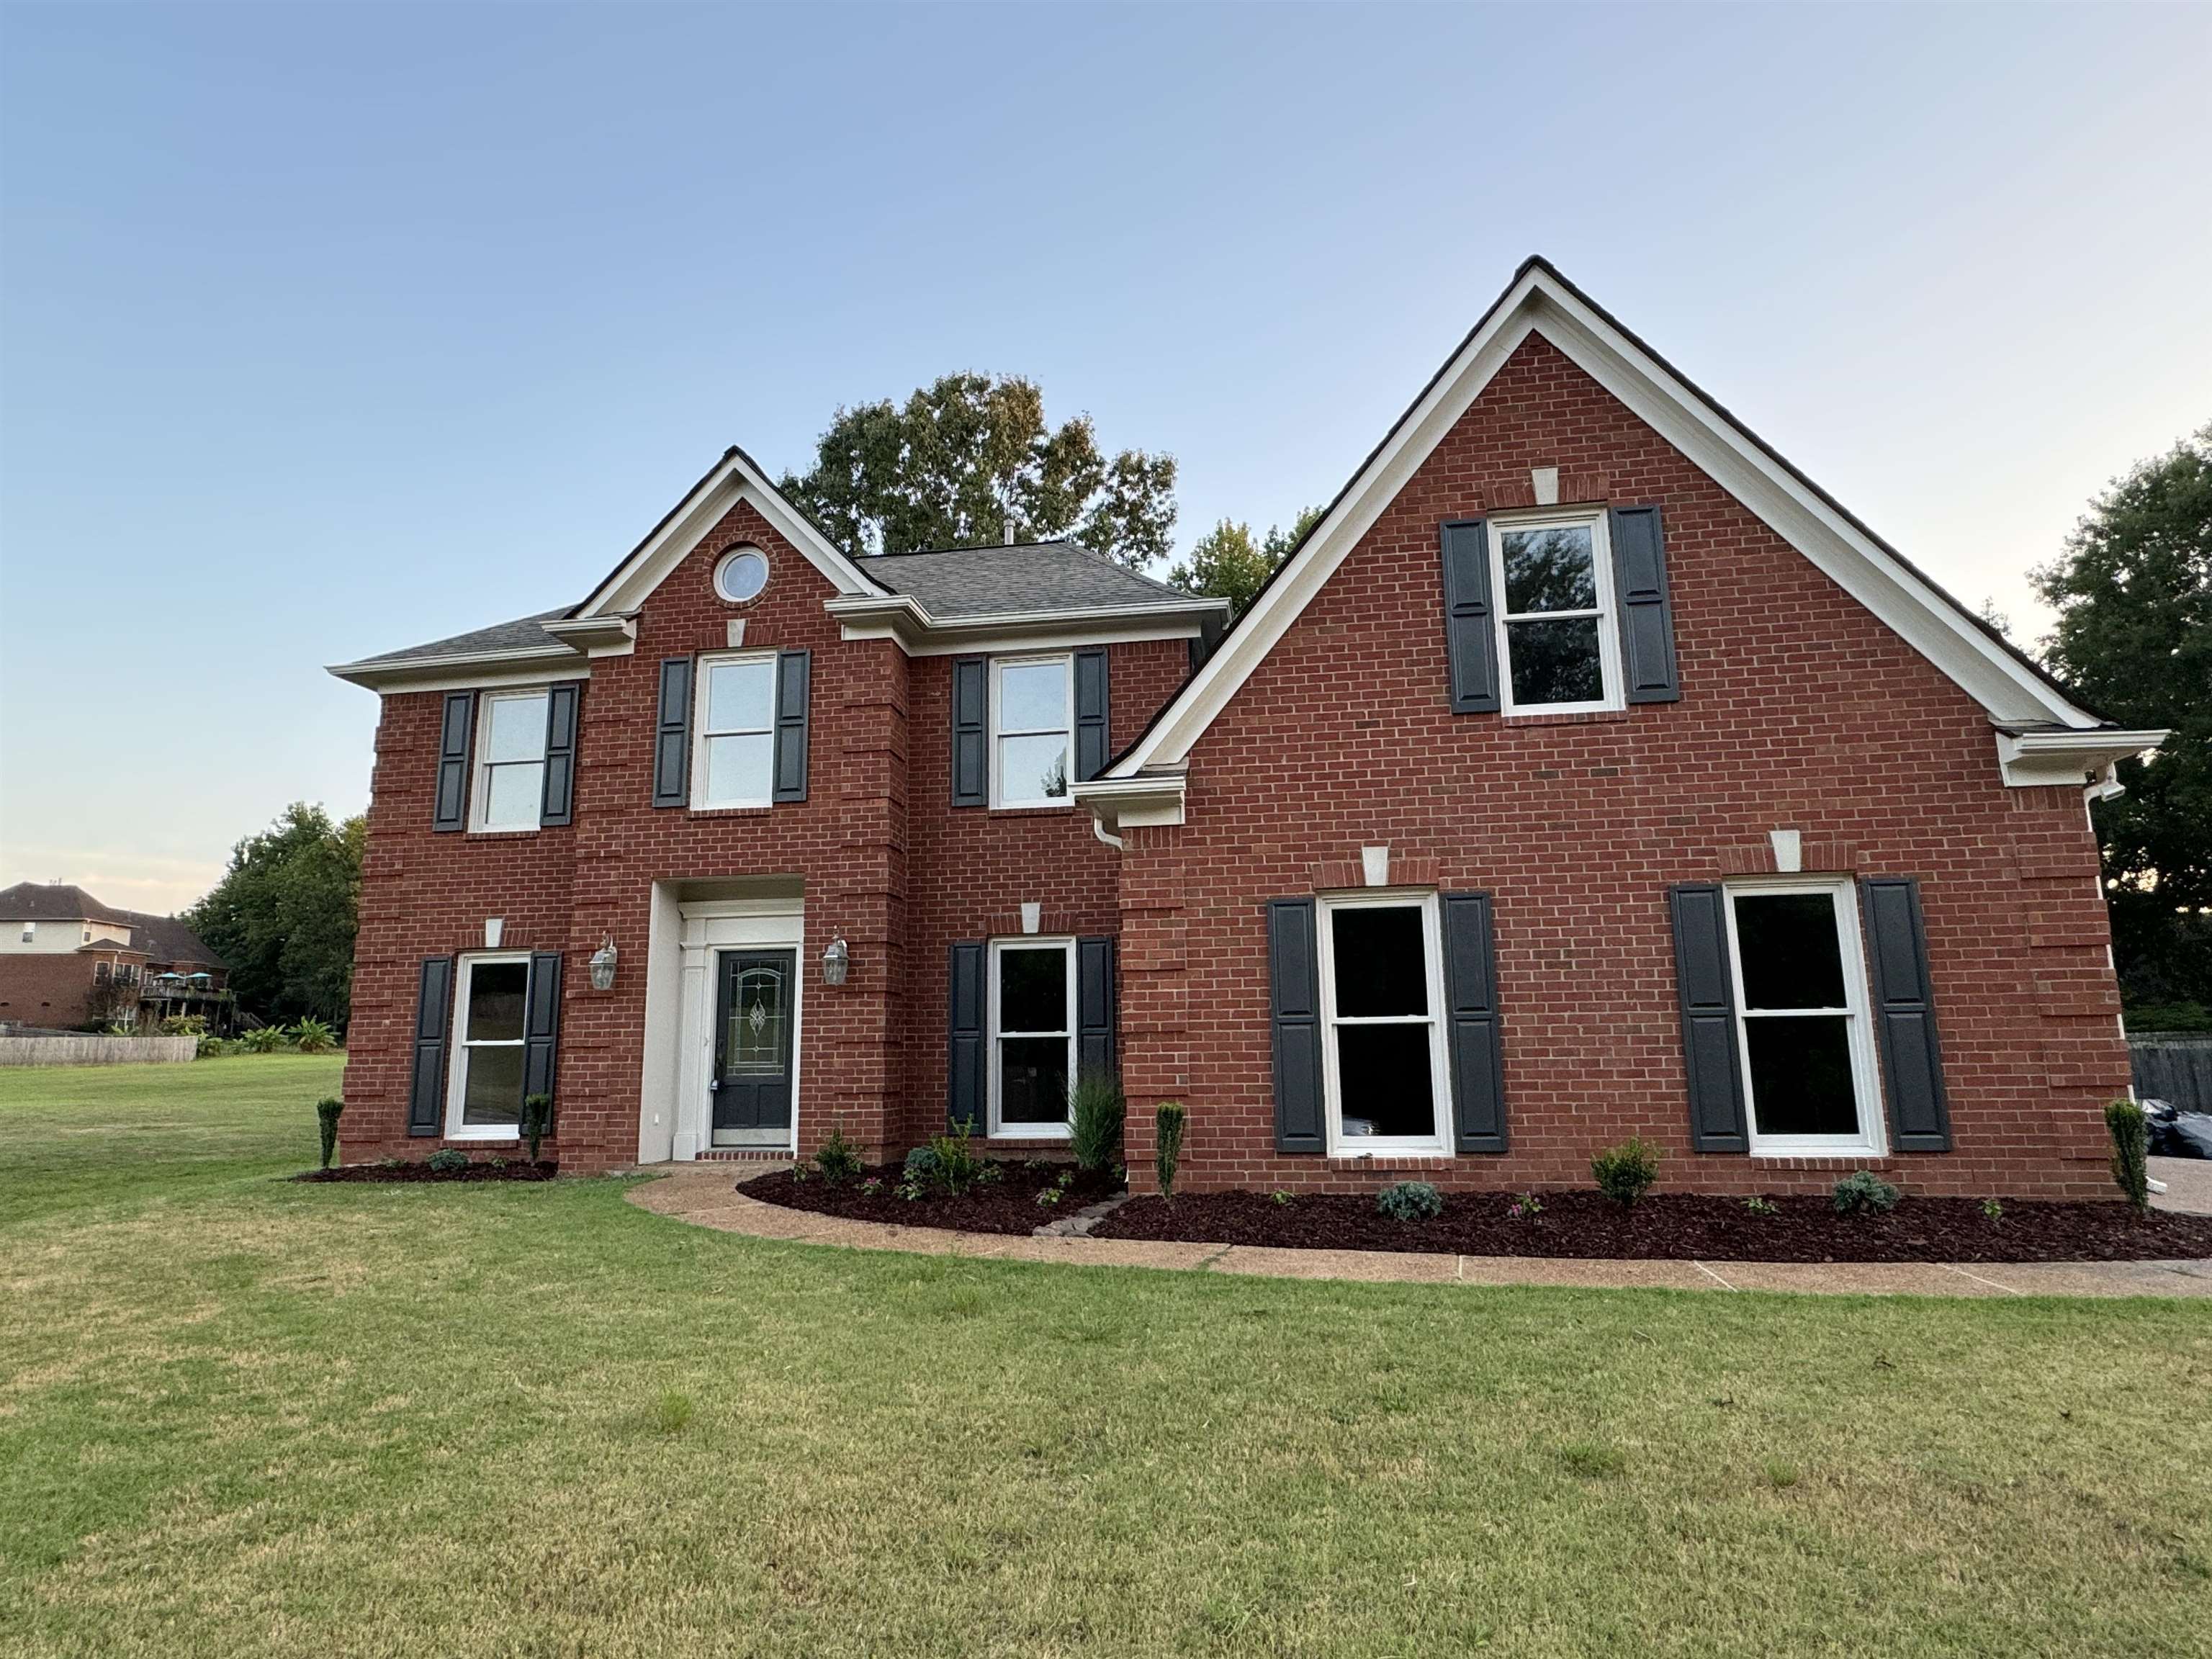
707,928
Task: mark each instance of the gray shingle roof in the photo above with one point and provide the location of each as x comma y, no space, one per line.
1002,581
520,635
40,900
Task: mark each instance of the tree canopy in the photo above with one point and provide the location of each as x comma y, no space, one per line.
964,460
2134,639
283,915
1228,563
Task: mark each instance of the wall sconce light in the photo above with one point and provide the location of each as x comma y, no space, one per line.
603,966
834,961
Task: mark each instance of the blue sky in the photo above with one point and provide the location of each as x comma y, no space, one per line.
325,330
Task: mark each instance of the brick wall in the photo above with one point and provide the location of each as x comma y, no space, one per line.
1798,709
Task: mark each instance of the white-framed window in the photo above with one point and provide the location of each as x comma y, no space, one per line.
1032,726
1559,648
1382,1042
484,1077
733,731
741,574
510,780
1802,1028
1032,1028
30,932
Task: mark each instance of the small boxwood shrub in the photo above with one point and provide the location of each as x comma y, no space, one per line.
1864,1192
2131,1151
923,1168
839,1159
327,1111
1410,1201
446,1159
1625,1173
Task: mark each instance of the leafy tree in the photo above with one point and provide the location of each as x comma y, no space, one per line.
2134,595
1228,565
965,459
283,915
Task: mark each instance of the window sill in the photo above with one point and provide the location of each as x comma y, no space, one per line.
1047,1135
479,831
1571,717
1016,810
735,810
483,1134
1820,1157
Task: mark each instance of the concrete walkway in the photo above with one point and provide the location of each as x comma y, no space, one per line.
704,1195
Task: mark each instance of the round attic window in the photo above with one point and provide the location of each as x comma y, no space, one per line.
742,574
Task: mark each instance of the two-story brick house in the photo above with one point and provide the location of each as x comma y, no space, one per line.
1585,771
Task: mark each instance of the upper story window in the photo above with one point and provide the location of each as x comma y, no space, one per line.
741,574
1383,1058
30,932
1032,704
510,780
1802,1019
735,764
1557,645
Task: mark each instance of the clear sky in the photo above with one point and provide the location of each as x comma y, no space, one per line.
325,331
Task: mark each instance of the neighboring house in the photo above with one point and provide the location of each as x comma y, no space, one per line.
66,959
1586,771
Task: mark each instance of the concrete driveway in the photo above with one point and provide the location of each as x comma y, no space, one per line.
2188,1184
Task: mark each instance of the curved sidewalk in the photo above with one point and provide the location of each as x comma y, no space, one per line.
704,1195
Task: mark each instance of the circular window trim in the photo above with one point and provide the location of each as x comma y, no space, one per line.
723,567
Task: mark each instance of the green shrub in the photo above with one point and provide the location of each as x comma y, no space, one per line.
959,1163
1864,1192
924,1169
1410,1201
265,1039
1625,1173
1167,1144
1992,1209
839,1159
446,1159
326,1120
313,1037
2131,1151
214,1047
537,1118
1095,1110
185,1025
1758,1204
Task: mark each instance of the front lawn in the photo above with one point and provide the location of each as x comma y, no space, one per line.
239,1414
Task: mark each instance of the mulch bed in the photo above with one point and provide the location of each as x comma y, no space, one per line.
1008,1205
406,1172
1677,1227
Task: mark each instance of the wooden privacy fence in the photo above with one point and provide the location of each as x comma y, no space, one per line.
2173,1066
88,1051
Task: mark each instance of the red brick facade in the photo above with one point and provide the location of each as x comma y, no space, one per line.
1798,709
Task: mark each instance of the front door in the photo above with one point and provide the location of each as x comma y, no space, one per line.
752,1078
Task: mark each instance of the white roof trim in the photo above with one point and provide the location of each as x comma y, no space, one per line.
903,617
2035,759
467,671
1541,302
733,479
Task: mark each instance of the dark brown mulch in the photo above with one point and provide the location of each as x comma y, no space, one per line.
1008,1205
1678,1225
412,1171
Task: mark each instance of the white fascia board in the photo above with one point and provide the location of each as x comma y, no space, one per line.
1121,803
902,617
2031,760
607,635
1902,599
467,672
681,532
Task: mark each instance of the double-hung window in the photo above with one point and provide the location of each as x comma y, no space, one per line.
510,786
1033,1029
1382,1054
1032,702
1802,1027
734,762
484,1085
1558,651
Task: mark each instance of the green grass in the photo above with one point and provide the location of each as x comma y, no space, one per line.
239,1415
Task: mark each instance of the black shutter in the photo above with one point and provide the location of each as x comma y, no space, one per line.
971,739
451,810
1091,696
559,805
793,686
1470,638
1706,986
1294,979
541,1029
964,1095
1094,1006
1904,1015
671,741
434,1019
1647,616
1478,1058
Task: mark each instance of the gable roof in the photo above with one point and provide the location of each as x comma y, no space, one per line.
1538,300
166,939
503,640
40,900
959,583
